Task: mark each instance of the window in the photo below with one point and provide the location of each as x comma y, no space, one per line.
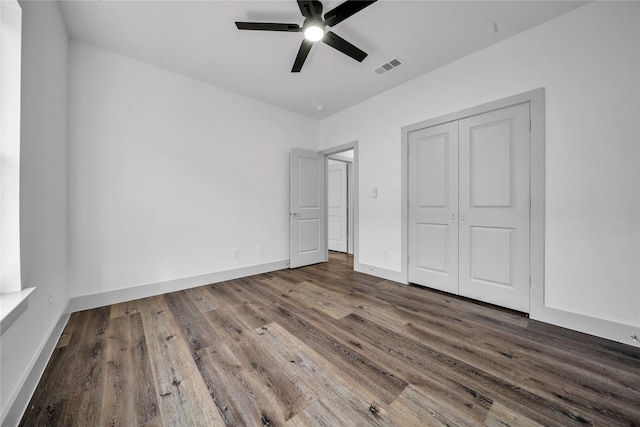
10,58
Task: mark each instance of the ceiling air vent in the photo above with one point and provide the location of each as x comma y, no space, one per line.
388,66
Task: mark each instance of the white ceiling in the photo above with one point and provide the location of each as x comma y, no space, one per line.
199,39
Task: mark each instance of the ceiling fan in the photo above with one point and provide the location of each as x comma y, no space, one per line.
314,28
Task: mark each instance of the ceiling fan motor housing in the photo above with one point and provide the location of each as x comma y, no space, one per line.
313,29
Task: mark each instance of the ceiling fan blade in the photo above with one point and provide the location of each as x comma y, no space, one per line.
345,10
310,8
337,42
305,47
268,26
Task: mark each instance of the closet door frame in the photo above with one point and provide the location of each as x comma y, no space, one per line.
535,98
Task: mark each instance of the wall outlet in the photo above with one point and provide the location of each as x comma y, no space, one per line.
386,252
50,297
235,253
260,250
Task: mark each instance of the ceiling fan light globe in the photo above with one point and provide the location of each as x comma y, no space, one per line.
313,33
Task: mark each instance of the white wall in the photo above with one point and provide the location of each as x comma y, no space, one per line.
43,192
168,175
588,61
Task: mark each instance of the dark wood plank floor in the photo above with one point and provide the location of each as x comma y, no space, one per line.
323,345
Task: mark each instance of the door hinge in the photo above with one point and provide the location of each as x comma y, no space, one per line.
529,281
529,125
529,203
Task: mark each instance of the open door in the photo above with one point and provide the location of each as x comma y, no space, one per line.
307,208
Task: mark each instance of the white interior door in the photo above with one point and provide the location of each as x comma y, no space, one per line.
433,207
337,202
495,207
307,208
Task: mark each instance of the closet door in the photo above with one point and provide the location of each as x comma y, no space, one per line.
433,207
495,207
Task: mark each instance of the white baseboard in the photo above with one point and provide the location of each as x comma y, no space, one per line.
602,328
23,395
100,299
383,273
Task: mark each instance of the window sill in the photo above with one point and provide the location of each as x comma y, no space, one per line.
12,305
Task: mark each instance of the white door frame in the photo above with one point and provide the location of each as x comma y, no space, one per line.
354,186
347,188
535,98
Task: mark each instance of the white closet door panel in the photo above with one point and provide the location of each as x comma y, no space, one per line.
433,247
494,207
433,207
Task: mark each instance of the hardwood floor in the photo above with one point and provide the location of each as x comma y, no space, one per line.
323,345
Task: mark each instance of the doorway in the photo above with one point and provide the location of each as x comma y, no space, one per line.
342,205
339,201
